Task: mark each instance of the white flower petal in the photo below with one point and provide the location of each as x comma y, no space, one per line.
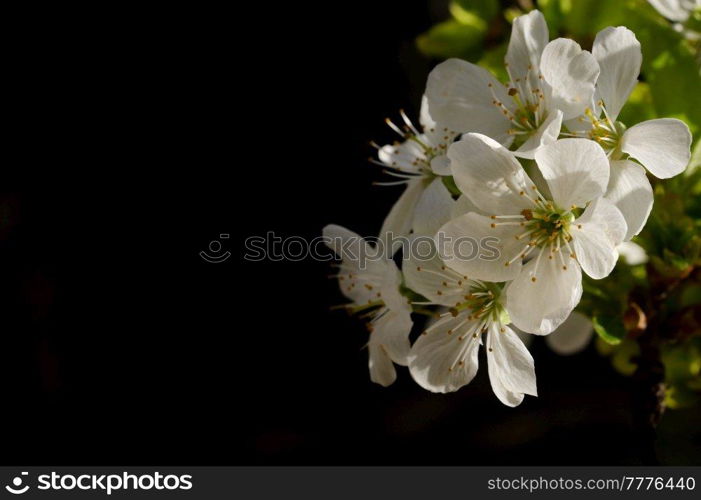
529,36
433,209
401,217
434,280
402,156
435,358
571,73
547,133
356,253
464,205
541,184
440,165
674,10
460,97
489,175
391,331
381,367
511,367
663,146
436,136
364,270
381,276
579,124
338,238
425,118
595,236
619,56
630,190
389,289
632,253
472,247
572,336
577,171
540,306
526,338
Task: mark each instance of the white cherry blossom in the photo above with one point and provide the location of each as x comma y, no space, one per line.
662,146
445,356
372,283
418,161
549,83
543,243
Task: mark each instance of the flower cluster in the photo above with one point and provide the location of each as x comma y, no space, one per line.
541,166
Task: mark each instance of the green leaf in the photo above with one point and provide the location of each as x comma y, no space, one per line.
493,60
679,396
552,11
674,83
623,359
483,9
694,21
668,65
584,18
452,39
639,106
695,162
603,347
609,328
681,362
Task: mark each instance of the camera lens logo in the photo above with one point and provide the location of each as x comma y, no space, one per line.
215,248
17,483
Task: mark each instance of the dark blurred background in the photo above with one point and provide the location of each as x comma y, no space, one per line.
137,137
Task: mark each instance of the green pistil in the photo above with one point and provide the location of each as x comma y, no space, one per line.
428,150
606,133
549,225
483,302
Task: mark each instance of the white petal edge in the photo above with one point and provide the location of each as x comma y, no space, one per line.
433,209
434,359
400,218
391,332
540,306
576,170
382,369
572,336
430,277
571,73
595,236
529,36
472,247
630,190
511,367
632,253
671,9
663,146
546,134
489,174
460,96
619,56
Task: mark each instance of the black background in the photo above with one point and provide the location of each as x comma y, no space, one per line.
135,138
